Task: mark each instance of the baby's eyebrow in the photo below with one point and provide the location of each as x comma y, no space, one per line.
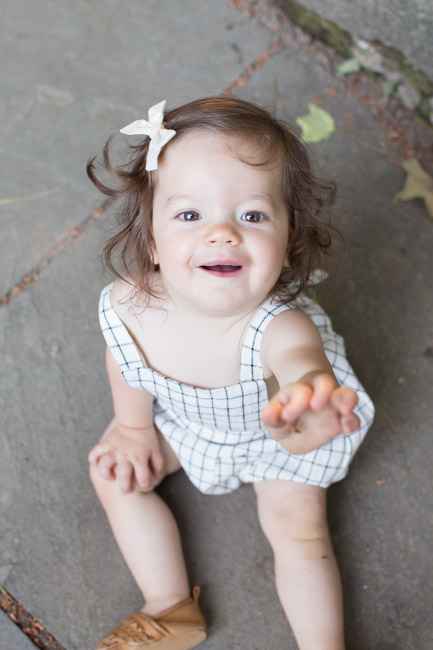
179,197
267,198
261,197
254,196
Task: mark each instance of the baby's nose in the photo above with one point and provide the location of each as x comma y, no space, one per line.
223,233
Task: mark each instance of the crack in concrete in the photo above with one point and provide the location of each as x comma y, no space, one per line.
258,63
33,274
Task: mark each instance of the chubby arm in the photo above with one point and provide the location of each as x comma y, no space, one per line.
129,451
310,408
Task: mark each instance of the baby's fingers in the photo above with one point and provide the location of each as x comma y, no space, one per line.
287,405
344,400
295,399
98,450
106,464
144,475
157,463
124,476
350,423
148,468
271,414
323,386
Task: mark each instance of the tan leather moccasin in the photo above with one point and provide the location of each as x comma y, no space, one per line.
178,628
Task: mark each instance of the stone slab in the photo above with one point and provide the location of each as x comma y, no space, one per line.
57,553
73,74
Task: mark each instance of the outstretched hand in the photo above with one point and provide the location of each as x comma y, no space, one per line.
130,457
304,416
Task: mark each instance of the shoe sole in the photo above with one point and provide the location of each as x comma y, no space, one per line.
184,642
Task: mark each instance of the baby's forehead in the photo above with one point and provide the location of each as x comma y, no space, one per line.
250,149
211,166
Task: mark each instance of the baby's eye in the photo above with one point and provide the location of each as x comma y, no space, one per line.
189,215
253,217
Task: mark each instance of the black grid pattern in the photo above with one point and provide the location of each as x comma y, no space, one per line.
217,434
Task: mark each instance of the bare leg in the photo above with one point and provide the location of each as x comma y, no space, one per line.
148,538
293,518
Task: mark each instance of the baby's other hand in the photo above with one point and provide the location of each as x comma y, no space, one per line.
304,416
132,457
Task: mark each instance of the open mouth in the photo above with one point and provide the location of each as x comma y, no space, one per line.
222,269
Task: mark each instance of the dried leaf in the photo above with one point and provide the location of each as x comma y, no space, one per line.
350,66
316,125
418,185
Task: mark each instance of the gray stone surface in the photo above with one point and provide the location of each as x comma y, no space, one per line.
405,26
57,555
11,637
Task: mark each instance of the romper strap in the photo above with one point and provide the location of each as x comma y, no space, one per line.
251,367
117,337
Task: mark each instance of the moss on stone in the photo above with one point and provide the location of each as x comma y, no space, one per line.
425,111
343,42
319,27
395,59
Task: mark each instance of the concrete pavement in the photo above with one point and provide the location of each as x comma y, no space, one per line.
73,74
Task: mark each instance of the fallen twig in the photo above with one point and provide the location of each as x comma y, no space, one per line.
36,632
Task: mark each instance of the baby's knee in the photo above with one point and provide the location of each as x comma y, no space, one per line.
282,527
298,517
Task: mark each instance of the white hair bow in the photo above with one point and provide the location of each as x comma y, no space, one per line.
154,128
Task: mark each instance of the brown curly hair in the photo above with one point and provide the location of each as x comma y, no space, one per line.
309,201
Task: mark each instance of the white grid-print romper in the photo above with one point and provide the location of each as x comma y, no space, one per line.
217,434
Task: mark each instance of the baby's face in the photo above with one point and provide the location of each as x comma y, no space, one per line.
220,225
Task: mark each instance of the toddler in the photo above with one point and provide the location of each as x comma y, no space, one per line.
219,364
